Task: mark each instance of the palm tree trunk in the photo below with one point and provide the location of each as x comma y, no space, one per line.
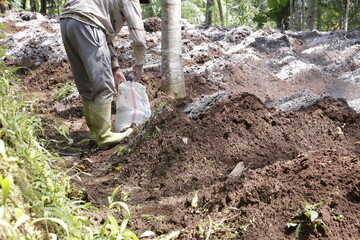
172,76
43,7
346,24
297,15
209,11
311,14
220,12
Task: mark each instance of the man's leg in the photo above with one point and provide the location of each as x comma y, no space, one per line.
89,56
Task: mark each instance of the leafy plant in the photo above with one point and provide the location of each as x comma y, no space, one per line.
111,229
279,11
307,218
63,130
152,135
192,13
64,90
121,151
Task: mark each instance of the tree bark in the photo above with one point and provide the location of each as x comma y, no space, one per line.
346,24
208,14
302,14
297,15
32,6
2,7
220,12
43,7
311,14
172,75
291,17
318,15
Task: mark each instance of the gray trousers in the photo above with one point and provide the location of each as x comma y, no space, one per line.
89,57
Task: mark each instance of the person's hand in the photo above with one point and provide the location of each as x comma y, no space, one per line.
138,71
118,77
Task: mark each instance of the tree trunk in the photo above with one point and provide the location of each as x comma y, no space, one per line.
220,12
2,7
318,15
297,15
291,17
346,24
311,14
302,15
208,14
43,7
172,75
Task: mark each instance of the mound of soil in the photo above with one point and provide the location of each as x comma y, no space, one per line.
266,130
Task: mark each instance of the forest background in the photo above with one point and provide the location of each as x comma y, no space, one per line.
300,15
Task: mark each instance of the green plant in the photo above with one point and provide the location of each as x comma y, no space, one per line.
279,12
111,229
63,90
121,151
307,218
152,135
224,228
63,130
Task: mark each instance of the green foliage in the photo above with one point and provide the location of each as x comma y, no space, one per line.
63,90
153,9
110,229
279,11
307,218
192,12
52,7
64,131
153,134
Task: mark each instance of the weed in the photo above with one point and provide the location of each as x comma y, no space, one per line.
152,135
225,228
64,90
149,218
338,217
64,131
111,229
121,151
307,219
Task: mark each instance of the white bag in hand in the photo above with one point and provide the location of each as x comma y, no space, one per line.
132,107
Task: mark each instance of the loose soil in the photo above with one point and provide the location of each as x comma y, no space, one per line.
180,170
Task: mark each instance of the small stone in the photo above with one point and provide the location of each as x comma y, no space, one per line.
239,168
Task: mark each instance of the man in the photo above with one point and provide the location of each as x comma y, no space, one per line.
88,28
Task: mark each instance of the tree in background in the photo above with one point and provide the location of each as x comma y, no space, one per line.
311,14
209,12
323,15
278,11
347,15
3,5
193,11
153,9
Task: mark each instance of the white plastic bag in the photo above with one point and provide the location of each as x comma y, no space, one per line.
132,107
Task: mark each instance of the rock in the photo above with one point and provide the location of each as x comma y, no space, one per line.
237,171
152,24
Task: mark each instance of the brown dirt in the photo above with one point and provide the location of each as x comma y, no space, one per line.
289,157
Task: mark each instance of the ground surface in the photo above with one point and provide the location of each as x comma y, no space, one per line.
266,125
